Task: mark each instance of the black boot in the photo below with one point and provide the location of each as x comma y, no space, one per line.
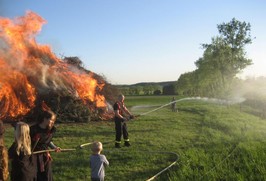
127,143
117,145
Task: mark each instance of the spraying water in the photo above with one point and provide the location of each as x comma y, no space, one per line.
211,100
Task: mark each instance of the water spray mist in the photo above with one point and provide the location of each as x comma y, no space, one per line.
206,99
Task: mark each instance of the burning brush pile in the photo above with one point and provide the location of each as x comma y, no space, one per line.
31,74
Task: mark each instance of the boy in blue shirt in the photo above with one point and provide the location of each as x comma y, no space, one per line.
98,162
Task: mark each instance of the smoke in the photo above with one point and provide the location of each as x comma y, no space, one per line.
251,88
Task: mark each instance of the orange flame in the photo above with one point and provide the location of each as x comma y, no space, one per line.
26,67
16,98
85,82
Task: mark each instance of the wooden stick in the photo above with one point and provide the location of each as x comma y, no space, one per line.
53,150
85,144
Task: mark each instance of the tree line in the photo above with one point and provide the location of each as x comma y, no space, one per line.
157,88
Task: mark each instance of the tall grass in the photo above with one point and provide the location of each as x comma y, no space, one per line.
214,142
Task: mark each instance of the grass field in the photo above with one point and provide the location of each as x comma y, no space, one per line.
212,141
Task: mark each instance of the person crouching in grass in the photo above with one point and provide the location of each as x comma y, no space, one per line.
98,162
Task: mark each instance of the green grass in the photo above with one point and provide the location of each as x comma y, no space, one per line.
214,142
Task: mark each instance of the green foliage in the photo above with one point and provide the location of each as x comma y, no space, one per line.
157,92
235,33
169,89
185,84
214,142
222,59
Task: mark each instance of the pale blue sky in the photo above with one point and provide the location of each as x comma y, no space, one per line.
132,41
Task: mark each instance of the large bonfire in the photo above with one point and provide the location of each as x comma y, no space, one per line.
31,74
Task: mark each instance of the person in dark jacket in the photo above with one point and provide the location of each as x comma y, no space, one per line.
41,137
121,113
23,166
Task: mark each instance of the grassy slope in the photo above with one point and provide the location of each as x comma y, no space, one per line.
214,142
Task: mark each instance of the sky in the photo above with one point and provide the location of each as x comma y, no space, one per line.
133,41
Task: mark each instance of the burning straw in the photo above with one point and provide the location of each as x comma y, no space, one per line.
30,73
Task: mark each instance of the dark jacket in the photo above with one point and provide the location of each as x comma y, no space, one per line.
23,167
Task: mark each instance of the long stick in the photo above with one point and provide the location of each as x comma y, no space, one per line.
86,144
53,150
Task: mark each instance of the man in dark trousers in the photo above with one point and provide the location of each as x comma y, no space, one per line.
121,113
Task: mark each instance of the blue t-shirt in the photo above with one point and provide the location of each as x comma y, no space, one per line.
97,164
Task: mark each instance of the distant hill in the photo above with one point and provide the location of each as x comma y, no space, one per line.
146,84
148,88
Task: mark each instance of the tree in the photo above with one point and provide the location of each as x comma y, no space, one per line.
147,89
169,89
225,56
235,33
186,84
157,92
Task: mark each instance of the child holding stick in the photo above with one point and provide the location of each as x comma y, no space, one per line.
98,162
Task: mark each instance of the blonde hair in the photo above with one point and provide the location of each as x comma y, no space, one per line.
22,137
97,147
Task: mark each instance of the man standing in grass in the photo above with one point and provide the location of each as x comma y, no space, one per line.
120,121
173,105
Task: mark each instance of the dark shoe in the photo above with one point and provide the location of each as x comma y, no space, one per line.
127,143
117,145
